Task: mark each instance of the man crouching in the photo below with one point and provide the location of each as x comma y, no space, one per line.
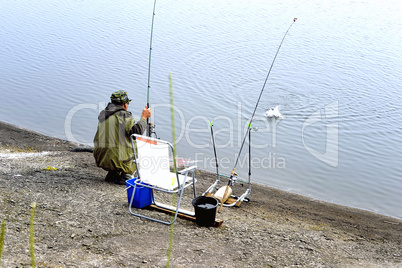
112,145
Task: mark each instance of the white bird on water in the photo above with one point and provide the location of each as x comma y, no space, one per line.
274,112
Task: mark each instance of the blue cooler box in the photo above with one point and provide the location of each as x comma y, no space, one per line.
142,197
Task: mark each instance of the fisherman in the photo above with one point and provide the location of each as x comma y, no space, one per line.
112,145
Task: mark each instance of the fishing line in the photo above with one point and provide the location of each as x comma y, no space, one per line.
259,98
149,125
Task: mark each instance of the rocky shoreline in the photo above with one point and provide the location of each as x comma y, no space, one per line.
82,221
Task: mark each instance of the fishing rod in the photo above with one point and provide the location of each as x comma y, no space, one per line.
213,143
233,175
150,126
249,152
259,98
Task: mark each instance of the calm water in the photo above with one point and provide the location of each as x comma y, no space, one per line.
336,80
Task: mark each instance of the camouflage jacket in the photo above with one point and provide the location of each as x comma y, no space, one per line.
112,145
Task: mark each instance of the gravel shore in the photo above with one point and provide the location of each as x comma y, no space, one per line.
83,221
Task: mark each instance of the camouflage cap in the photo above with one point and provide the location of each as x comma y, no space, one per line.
119,97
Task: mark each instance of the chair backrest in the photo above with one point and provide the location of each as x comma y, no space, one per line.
153,159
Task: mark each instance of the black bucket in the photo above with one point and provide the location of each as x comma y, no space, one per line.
205,210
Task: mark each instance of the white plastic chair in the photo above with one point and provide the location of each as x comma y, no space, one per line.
153,171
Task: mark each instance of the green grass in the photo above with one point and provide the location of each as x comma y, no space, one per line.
31,236
2,233
174,167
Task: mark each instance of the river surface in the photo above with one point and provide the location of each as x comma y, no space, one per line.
336,81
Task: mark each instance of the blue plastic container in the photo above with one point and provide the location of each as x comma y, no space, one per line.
142,197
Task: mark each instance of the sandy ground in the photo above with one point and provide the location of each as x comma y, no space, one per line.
83,221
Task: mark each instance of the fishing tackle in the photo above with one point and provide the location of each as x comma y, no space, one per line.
226,191
233,178
150,126
259,98
222,194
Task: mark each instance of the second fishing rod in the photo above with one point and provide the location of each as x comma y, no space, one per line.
259,97
233,173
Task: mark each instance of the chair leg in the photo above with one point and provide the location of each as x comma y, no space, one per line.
176,209
195,194
173,209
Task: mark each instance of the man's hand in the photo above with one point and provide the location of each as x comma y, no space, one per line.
146,113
